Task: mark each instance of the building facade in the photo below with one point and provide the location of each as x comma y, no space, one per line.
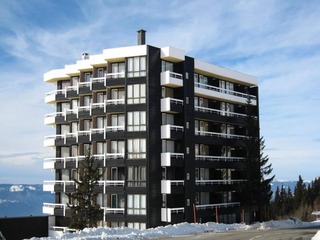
168,132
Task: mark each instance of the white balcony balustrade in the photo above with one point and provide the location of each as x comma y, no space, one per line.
166,158
166,130
219,158
219,112
223,94
49,208
166,213
110,183
166,185
51,97
50,185
220,135
166,104
171,79
218,182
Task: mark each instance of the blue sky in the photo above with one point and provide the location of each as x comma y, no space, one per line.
276,41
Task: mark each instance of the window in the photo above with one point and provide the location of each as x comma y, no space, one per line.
136,121
74,81
167,118
74,127
201,80
136,204
64,129
74,104
117,122
226,108
101,146
117,146
136,93
200,102
137,148
118,68
100,73
137,176
64,84
168,146
86,100
166,66
201,149
63,106
86,124
167,92
226,87
101,97
201,126
117,94
137,67
87,77
101,122
137,225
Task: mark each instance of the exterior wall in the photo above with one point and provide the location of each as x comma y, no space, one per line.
24,227
206,107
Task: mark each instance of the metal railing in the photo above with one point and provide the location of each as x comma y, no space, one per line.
222,135
217,205
219,158
218,182
219,112
223,90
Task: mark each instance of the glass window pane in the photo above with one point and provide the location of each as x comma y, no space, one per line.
130,201
136,200
142,90
142,63
136,64
130,88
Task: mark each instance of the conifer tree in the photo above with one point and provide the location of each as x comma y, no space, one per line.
257,188
85,211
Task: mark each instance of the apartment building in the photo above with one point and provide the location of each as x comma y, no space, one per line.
168,132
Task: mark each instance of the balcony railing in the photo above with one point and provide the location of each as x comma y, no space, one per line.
49,185
51,96
49,208
222,93
219,112
166,213
218,182
166,130
217,205
171,79
220,135
166,185
168,156
113,210
219,158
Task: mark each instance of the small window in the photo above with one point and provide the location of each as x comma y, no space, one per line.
136,94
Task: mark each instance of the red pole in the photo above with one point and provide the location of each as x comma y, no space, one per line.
194,214
217,217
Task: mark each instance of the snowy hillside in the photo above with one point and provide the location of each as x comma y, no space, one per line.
22,200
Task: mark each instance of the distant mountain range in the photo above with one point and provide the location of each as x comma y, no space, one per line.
22,200
18,200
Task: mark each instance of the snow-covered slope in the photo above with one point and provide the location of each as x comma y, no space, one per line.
181,229
22,200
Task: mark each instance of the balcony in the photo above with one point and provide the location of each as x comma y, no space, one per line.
54,209
218,182
171,131
172,214
171,105
220,135
111,184
82,135
172,186
219,112
53,96
171,79
59,186
223,94
51,118
219,158
169,159
217,205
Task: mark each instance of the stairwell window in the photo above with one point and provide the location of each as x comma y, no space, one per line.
137,148
136,93
136,204
137,176
137,67
136,121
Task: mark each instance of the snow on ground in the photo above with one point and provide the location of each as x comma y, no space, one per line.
15,188
181,229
